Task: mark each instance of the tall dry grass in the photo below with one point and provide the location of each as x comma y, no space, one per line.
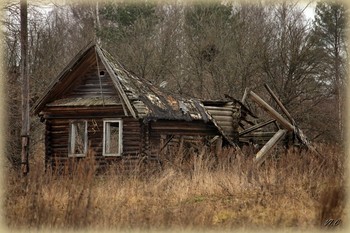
194,190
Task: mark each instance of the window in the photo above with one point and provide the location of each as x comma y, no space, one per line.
77,145
112,137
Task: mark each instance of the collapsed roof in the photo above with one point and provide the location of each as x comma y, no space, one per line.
141,98
138,96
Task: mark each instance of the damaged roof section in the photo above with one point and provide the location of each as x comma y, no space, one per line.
139,96
151,103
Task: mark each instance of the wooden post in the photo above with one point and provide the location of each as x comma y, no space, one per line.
284,110
261,155
25,88
272,112
218,146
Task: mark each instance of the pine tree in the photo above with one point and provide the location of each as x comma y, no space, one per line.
329,32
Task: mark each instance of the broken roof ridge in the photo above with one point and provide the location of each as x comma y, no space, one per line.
129,73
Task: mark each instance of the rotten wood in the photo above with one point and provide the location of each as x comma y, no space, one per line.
261,155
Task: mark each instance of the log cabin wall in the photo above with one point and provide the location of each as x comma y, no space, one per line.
194,131
57,133
96,82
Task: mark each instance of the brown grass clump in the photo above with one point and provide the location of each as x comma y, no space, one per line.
192,191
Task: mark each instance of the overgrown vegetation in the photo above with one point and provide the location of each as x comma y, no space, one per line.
192,191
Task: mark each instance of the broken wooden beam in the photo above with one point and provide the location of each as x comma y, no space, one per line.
261,155
279,103
272,112
255,127
243,107
244,96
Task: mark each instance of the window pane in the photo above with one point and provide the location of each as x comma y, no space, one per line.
112,138
79,136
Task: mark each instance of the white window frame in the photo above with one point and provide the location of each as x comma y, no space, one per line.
105,136
71,142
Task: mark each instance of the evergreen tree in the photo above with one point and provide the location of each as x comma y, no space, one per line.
329,32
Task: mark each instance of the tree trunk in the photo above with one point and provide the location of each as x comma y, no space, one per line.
97,24
25,88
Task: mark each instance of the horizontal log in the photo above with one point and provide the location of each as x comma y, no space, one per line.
185,126
219,108
215,113
190,133
58,133
131,143
225,123
223,118
228,129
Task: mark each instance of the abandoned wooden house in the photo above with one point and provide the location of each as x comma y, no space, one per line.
96,104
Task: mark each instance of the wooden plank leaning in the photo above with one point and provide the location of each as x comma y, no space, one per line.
299,134
261,155
284,110
272,112
285,123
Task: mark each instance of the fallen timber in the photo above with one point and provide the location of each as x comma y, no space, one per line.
259,158
284,126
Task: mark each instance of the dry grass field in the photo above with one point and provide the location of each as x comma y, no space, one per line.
193,191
